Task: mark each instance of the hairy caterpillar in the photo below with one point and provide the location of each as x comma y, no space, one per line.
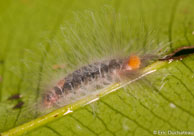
95,75
99,58
83,59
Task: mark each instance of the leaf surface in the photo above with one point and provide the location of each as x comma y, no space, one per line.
162,101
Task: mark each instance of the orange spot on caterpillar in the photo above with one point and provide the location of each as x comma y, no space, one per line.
134,62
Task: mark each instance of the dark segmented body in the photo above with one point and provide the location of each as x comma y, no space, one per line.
83,76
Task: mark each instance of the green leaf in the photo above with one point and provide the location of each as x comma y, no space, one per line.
160,102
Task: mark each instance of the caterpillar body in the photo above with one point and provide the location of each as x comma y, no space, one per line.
90,78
